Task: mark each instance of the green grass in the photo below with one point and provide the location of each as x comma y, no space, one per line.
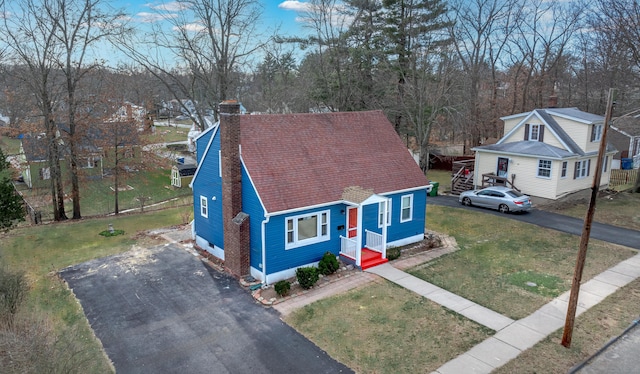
97,196
40,251
167,134
384,328
499,255
10,146
443,177
592,330
620,209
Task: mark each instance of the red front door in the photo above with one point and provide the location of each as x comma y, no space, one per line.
352,222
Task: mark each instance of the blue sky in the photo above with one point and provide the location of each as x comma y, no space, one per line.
285,14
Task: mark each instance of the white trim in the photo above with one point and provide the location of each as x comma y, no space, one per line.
203,199
386,213
280,275
204,155
215,250
402,207
564,166
406,241
304,242
345,202
539,168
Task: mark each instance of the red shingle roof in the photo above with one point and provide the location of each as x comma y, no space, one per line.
299,160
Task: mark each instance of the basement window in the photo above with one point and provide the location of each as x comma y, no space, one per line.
307,229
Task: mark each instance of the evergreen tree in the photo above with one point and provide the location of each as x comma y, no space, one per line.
11,208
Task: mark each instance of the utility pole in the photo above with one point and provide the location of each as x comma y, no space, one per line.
586,230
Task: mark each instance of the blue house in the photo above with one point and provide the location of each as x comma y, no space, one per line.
275,192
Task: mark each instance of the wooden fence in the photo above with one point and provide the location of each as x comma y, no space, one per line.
621,177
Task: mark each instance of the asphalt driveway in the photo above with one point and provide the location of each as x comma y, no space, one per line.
162,310
571,225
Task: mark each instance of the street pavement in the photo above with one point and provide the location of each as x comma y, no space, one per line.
162,310
571,225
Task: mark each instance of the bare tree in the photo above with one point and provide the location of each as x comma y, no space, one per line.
480,30
79,25
32,45
198,58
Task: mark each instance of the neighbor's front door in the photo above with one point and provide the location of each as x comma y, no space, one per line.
503,168
352,222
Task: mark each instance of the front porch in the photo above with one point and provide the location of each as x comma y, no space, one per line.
373,253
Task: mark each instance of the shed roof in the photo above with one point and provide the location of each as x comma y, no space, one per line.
301,160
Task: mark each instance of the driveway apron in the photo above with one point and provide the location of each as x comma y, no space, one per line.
162,310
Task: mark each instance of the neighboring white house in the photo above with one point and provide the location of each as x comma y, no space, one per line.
548,153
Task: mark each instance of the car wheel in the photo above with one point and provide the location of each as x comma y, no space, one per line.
466,201
503,208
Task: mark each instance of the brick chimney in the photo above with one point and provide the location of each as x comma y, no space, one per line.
553,101
235,222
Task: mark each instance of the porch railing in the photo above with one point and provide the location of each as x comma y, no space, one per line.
374,241
348,247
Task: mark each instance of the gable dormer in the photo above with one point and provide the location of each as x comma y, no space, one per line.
534,132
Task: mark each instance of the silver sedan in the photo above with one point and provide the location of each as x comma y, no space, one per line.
501,198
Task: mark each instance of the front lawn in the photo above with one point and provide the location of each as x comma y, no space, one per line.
384,328
511,267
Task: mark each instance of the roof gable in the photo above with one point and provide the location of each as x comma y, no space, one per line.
301,160
543,115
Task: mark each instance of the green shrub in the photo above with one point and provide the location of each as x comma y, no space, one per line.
307,276
282,287
108,233
328,264
393,253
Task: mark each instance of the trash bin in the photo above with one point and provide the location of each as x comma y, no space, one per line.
434,189
626,164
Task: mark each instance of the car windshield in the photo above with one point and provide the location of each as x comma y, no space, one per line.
514,193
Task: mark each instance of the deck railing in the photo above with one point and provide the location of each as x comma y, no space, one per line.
348,247
374,241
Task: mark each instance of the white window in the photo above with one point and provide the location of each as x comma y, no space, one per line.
381,211
596,133
307,229
563,173
544,168
204,211
582,169
92,162
406,211
534,132
220,164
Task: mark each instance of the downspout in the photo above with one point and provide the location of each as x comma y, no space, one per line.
384,228
264,250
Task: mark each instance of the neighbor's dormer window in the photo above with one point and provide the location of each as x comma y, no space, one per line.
534,132
596,133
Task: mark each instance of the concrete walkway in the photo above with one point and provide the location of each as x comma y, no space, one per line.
511,340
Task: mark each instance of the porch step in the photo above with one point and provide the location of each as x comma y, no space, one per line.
371,258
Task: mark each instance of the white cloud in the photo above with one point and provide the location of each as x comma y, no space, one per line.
196,27
173,6
295,5
147,17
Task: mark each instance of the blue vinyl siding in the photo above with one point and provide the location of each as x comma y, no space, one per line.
416,226
279,259
252,206
202,142
209,184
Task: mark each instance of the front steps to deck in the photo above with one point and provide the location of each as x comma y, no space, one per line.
371,258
